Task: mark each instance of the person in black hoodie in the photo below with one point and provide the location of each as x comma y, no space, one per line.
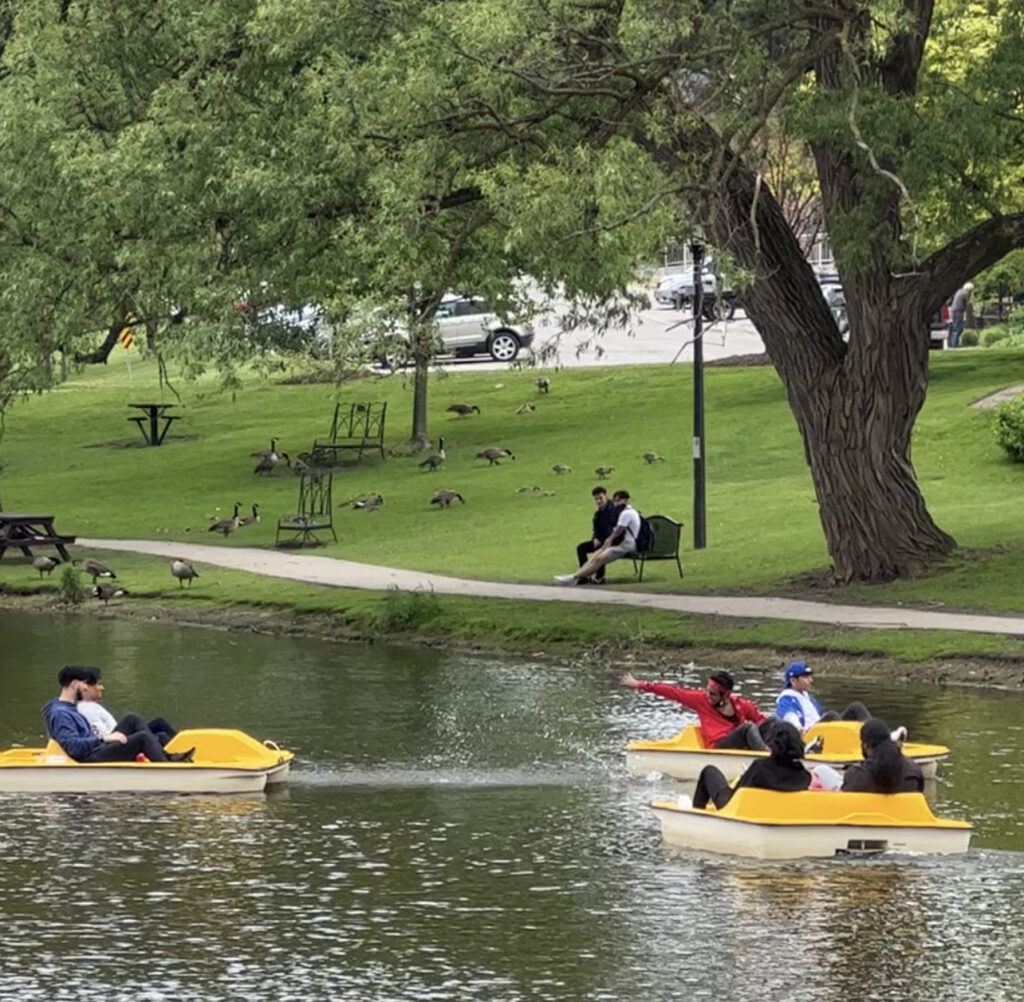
782,770
885,768
605,517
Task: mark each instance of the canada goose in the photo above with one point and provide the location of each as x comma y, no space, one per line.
251,519
183,571
652,457
267,463
526,408
227,525
527,489
543,384
96,570
463,410
494,455
368,502
561,468
444,499
436,459
45,565
270,453
603,471
546,494
105,592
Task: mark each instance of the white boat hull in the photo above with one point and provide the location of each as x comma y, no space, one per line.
129,777
709,832
686,764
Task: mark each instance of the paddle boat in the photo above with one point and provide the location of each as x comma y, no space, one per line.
225,761
765,824
683,756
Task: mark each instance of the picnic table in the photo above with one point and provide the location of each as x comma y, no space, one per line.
26,532
152,416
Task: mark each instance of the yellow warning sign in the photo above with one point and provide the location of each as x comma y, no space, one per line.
125,338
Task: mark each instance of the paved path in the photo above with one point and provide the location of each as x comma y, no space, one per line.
348,574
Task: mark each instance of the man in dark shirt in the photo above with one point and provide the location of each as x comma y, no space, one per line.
605,517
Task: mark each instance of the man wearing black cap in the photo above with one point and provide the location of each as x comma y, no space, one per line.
724,720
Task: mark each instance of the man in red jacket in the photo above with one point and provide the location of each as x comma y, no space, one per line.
725,720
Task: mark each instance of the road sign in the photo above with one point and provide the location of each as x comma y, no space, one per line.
125,339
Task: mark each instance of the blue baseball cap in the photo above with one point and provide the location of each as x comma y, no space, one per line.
795,669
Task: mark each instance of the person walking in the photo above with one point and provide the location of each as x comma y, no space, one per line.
958,313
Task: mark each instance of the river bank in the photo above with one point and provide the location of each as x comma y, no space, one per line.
653,654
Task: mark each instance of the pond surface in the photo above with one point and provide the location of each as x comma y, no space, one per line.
461,828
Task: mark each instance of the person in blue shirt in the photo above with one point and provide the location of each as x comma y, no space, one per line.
797,706
72,731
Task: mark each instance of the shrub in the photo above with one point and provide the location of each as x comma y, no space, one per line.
403,611
71,588
994,335
1010,428
969,338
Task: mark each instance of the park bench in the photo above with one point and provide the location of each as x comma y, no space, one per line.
355,428
664,546
314,512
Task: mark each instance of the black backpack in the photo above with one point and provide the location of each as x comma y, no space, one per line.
645,537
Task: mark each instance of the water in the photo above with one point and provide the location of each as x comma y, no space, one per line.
461,828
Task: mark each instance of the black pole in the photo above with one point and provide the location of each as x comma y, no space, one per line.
699,513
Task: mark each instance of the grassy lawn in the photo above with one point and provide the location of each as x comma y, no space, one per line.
72,452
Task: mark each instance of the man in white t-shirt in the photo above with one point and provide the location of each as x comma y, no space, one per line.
621,543
102,721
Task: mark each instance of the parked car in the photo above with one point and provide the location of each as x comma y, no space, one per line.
468,326
676,290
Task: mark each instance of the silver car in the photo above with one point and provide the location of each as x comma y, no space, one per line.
468,326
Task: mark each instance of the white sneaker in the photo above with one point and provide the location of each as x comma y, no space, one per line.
565,579
899,735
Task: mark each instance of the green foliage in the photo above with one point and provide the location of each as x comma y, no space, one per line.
970,337
70,586
1009,428
407,611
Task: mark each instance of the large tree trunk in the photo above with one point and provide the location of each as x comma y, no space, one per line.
855,406
422,355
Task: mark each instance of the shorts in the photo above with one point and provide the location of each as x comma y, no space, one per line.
618,552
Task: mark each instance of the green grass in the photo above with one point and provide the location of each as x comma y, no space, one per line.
72,452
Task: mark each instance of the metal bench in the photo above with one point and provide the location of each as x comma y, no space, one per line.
314,513
355,428
665,545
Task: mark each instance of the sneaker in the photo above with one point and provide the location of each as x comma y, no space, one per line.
565,579
899,735
814,747
184,756
585,581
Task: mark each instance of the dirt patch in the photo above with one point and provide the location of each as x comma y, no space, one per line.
616,656
735,361
995,399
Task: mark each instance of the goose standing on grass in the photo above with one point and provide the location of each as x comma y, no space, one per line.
494,455
227,525
543,384
45,565
105,592
602,472
270,453
267,463
183,571
445,499
436,459
251,519
96,570
464,410
561,469
652,457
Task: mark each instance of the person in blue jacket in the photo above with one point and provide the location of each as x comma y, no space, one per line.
797,706
72,731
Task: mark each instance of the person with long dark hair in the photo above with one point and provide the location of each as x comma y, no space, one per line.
885,769
782,770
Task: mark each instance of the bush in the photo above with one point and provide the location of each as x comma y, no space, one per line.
71,588
1010,428
994,335
403,611
969,338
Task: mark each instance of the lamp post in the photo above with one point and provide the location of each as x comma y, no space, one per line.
699,513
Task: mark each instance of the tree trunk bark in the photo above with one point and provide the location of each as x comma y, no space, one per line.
419,439
855,404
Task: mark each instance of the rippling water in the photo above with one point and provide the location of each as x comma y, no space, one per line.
462,828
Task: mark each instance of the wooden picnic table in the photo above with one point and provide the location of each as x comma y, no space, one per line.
154,413
26,532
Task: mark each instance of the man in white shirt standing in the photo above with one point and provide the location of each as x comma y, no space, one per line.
621,543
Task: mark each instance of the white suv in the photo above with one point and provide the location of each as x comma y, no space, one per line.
468,326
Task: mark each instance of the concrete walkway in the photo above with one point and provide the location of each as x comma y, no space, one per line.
348,574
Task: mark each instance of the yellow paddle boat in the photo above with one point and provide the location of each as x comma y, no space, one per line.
683,756
225,761
765,824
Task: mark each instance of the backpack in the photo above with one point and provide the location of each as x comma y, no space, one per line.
645,537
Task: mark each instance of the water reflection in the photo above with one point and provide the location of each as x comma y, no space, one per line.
462,828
